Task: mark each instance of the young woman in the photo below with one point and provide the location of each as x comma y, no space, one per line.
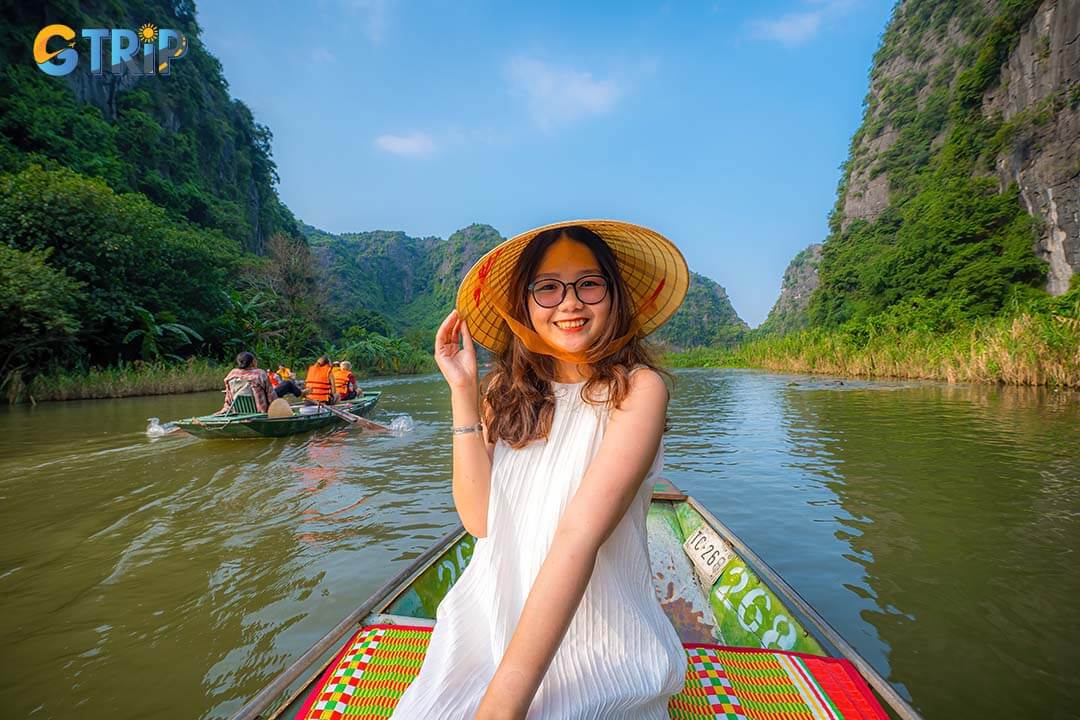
554,456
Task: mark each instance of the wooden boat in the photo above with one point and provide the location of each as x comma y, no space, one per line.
248,425
747,605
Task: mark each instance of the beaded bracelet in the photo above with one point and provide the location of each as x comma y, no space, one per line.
467,429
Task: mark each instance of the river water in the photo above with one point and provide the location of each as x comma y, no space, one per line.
936,527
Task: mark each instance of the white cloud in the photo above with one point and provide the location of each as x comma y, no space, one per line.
791,29
375,12
322,55
559,95
796,28
414,144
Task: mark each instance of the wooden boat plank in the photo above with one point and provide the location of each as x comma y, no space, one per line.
746,609
388,619
424,593
664,489
677,587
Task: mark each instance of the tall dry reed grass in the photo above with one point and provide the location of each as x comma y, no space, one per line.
1022,350
117,381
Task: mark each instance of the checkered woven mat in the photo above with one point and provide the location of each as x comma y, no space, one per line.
371,672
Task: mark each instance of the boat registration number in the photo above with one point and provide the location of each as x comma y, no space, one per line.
708,553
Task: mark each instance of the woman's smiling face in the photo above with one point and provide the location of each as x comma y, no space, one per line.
571,326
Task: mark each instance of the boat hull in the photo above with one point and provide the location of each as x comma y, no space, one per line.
259,425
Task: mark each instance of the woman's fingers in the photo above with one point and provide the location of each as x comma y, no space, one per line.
468,344
444,333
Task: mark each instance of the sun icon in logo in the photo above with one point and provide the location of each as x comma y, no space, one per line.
148,33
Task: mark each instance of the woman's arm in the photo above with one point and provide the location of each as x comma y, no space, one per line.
472,464
472,452
626,453
228,395
267,391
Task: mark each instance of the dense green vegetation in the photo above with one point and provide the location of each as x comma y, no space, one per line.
180,140
706,318
384,280
121,252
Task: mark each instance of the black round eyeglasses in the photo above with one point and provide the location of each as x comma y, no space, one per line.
549,292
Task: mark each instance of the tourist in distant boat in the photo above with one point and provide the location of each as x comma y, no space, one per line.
283,384
356,383
319,382
247,379
345,381
555,453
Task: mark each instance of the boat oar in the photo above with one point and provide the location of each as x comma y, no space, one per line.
355,419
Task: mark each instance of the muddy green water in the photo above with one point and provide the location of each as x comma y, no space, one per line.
936,527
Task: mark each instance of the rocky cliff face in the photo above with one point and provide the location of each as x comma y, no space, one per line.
900,80
1035,103
1038,98
408,280
800,281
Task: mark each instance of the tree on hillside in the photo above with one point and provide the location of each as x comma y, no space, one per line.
37,309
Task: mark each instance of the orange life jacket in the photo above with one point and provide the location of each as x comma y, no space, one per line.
341,381
318,382
274,379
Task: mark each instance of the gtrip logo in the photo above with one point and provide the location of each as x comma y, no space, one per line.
146,51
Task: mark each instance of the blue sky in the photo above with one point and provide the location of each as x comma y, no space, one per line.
722,125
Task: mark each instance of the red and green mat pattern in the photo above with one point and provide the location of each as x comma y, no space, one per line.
371,672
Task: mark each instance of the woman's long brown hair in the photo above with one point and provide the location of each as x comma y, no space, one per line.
518,403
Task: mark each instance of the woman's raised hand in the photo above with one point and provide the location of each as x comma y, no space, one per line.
457,363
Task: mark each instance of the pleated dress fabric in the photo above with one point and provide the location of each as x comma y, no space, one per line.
620,657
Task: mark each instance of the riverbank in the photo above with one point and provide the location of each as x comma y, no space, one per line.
125,380
1027,349
160,378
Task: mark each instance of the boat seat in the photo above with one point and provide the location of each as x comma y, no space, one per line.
368,676
243,397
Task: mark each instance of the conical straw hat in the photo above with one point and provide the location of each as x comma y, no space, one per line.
653,269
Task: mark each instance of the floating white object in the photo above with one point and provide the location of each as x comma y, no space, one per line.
155,429
402,424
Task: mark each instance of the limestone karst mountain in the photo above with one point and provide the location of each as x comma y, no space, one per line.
963,181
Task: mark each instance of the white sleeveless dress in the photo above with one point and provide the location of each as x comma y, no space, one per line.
620,657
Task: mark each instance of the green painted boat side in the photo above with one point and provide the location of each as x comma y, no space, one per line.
259,425
738,609
747,605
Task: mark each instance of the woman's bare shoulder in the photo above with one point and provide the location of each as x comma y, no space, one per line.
643,375
647,387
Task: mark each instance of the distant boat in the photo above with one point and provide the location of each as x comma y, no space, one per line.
748,618
304,419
